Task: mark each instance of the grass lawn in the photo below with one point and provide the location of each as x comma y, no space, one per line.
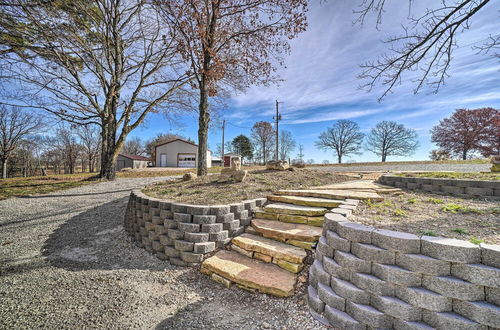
17,187
422,213
455,175
259,183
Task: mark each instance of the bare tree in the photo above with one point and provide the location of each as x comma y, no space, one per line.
90,140
286,144
426,44
389,138
344,138
134,146
69,148
103,62
300,155
231,44
263,136
15,126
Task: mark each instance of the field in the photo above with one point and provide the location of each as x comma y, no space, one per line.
259,183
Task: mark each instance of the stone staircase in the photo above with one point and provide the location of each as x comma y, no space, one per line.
272,251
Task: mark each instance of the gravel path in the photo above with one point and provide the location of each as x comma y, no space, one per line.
66,263
408,167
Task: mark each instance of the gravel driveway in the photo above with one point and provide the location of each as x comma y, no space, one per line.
408,167
66,262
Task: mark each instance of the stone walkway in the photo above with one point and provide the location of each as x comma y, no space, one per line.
269,255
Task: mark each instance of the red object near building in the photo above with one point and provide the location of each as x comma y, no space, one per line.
227,159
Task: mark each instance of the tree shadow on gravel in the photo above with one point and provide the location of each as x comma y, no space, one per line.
96,239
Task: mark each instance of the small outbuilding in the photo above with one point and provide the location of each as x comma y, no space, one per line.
179,153
227,158
131,161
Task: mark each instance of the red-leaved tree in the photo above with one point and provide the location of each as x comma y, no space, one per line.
468,131
231,44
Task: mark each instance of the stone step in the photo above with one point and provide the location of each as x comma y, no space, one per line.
290,218
284,208
250,273
362,186
332,194
305,201
270,247
291,233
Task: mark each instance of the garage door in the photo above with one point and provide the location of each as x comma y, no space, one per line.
186,160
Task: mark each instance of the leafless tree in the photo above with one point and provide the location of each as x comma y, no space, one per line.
300,155
389,138
286,144
134,146
263,136
15,126
91,141
344,138
426,44
103,62
231,44
69,148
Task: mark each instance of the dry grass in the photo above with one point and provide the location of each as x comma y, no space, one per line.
259,183
18,187
451,161
455,175
434,215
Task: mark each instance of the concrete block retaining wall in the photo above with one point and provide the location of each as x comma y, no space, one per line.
181,233
365,278
456,187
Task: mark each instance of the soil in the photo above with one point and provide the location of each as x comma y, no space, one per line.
258,183
434,215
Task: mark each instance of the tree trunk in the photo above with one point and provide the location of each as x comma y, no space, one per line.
340,158
203,121
4,168
383,158
91,167
464,155
108,151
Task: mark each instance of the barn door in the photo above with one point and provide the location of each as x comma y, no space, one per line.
163,160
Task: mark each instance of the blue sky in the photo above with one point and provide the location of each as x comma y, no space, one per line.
320,83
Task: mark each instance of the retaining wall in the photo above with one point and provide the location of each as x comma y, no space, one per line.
455,187
364,277
181,233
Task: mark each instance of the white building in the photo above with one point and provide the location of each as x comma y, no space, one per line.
179,153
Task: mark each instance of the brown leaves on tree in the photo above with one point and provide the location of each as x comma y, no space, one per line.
468,131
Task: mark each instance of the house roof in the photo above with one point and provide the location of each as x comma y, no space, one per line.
135,157
178,139
232,154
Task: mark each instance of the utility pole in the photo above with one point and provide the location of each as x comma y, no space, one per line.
222,146
277,118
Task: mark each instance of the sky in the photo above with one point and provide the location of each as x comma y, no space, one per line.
320,85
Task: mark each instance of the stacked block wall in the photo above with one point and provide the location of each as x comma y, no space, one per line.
365,278
181,233
456,187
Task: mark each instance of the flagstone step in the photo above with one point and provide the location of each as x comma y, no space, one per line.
299,235
284,208
290,218
361,185
270,247
332,194
250,273
305,201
